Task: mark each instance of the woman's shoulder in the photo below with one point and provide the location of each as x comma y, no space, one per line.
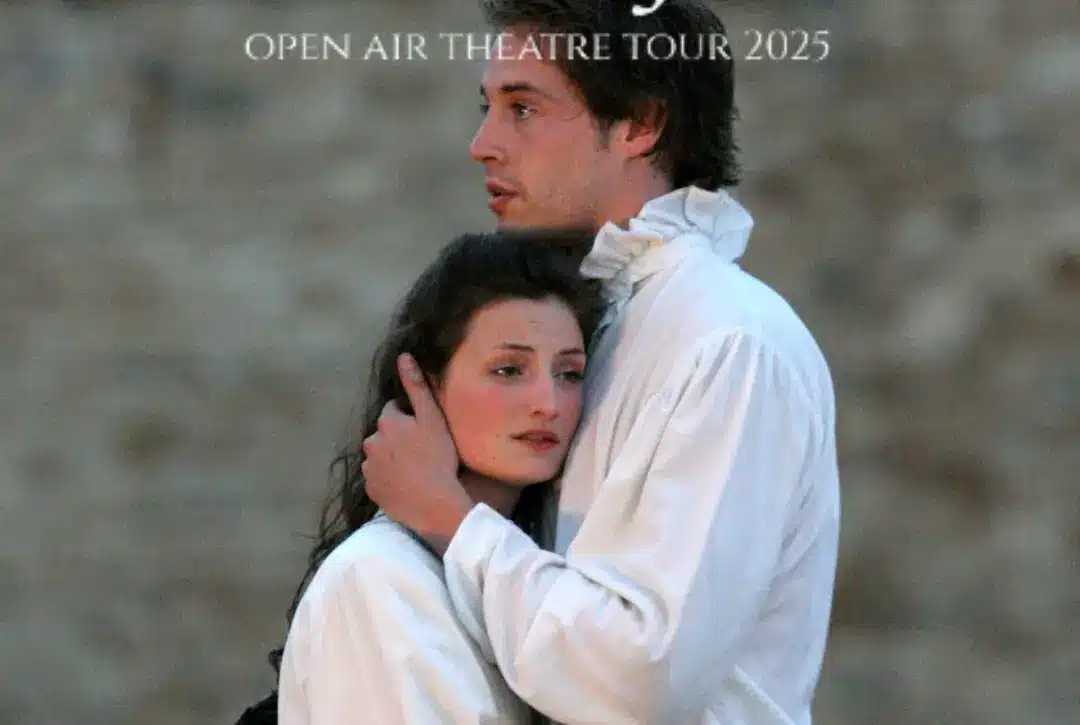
377,539
379,554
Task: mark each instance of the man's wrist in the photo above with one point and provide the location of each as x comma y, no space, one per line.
449,521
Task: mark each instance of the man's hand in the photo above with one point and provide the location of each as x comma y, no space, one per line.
410,465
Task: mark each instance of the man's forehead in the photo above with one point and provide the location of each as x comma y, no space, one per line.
508,75
523,56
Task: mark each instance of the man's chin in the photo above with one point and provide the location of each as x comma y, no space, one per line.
518,219
516,216
512,222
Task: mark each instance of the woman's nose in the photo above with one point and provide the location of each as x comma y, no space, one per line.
544,398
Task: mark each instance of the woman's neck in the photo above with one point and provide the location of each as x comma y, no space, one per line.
498,495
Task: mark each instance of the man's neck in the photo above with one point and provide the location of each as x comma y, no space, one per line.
500,496
638,193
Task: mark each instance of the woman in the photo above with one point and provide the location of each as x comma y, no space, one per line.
499,323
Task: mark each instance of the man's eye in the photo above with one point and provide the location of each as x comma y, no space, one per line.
485,107
521,110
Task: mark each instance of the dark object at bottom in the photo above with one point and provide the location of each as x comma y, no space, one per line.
263,712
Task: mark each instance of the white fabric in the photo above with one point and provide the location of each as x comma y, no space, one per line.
695,555
375,640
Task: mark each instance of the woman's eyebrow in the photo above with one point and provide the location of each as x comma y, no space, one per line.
530,348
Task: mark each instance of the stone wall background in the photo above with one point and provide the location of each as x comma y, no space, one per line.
197,256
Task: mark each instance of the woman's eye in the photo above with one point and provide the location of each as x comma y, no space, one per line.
575,376
508,371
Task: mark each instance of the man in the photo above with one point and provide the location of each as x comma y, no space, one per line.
692,574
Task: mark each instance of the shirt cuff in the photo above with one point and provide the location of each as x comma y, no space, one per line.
465,569
477,536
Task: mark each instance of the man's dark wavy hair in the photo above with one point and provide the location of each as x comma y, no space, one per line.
470,273
696,96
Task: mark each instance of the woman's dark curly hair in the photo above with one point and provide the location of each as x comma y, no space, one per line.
694,93
470,273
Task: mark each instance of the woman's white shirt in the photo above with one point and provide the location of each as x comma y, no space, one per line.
376,639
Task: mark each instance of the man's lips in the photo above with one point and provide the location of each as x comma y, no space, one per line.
497,188
499,195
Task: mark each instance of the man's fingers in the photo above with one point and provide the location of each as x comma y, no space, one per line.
423,402
391,411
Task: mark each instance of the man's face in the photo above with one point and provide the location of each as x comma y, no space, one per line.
546,161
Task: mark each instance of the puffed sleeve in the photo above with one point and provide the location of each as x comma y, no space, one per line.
639,622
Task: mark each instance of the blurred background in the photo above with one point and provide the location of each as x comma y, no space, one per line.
198,252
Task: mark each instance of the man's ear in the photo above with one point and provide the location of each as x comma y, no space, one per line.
638,136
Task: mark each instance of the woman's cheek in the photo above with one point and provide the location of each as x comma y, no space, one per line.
480,418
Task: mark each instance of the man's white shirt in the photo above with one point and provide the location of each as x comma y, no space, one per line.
693,568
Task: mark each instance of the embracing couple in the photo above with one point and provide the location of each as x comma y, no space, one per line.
597,480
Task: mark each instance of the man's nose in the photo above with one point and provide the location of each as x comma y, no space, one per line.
485,146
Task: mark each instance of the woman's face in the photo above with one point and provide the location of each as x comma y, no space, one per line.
512,391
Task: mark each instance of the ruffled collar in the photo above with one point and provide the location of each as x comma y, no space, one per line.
665,230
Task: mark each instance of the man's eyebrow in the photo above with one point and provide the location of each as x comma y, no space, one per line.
517,87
